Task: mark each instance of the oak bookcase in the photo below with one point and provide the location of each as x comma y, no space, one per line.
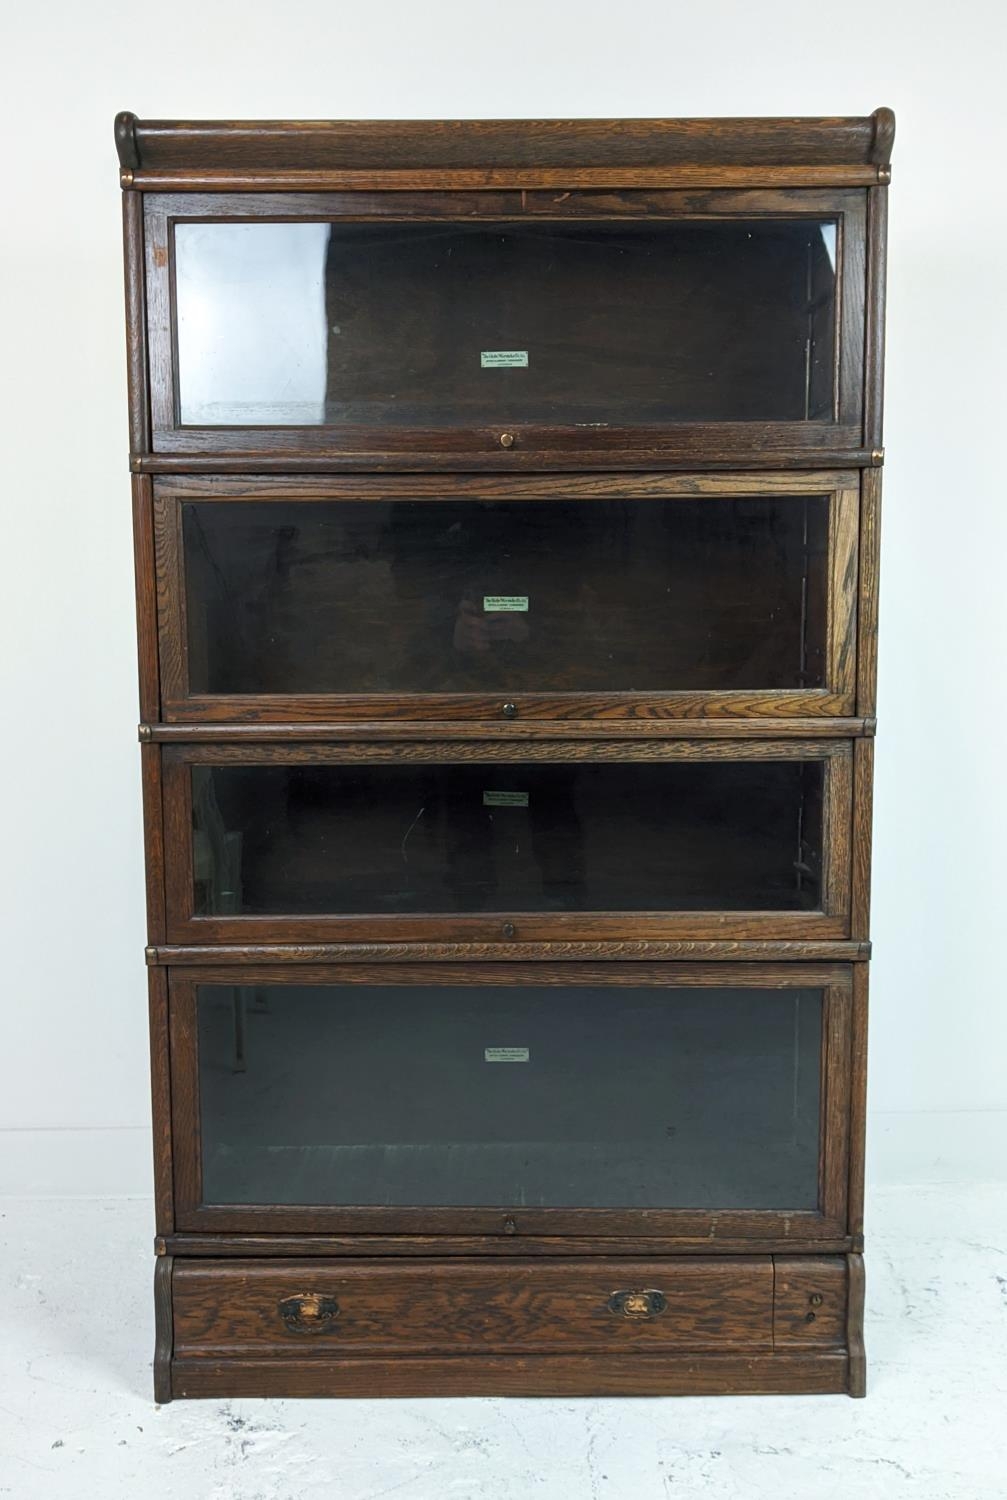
506,503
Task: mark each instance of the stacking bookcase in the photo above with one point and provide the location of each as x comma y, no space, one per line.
506,503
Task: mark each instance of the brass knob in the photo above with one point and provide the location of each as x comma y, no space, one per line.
506,439
308,1312
509,1226
637,1304
508,929
509,710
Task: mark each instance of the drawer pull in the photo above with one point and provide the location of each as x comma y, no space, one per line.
637,1305
308,1312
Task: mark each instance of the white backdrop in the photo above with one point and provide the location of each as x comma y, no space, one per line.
74,1111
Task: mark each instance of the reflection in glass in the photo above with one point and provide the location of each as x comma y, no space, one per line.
599,1097
417,596
420,324
674,836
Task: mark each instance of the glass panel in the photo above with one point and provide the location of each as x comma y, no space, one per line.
476,596
421,324
605,1097
675,836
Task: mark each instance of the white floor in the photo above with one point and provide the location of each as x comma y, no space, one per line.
77,1420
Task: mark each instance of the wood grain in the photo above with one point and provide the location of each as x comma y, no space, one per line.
836,818
170,595
644,709
456,1306
693,974
495,1247
163,1329
780,1228
375,145
160,1089
870,568
874,338
138,396
855,1327
835,1101
145,577
852,291
858,1099
490,750
863,806
809,1304
844,534
469,179
659,486
719,949
509,731
843,448
516,204
154,841
822,1372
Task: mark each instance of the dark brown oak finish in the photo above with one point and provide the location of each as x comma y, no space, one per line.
734,951
826,1221
829,586
614,561
369,146
316,856
597,437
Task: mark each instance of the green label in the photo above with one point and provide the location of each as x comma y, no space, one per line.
506,1054
505,799
504,359
510,604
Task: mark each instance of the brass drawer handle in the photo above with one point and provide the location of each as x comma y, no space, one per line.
307,1312
637,1305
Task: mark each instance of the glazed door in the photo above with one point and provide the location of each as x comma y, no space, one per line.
496,841
456,599
677,1100
498,327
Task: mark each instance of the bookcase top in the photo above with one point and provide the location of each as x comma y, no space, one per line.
837,151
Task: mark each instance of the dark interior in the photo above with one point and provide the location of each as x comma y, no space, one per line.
519,1097
711,594
674,836
618,322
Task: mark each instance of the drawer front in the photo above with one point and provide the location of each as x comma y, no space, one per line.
300,1308
491,841
589,599
621,327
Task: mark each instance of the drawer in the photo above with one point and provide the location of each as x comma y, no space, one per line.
303,1308
496,841
603,599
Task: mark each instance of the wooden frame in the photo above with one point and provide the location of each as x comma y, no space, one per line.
532,446
832,921
837,697
828,1223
